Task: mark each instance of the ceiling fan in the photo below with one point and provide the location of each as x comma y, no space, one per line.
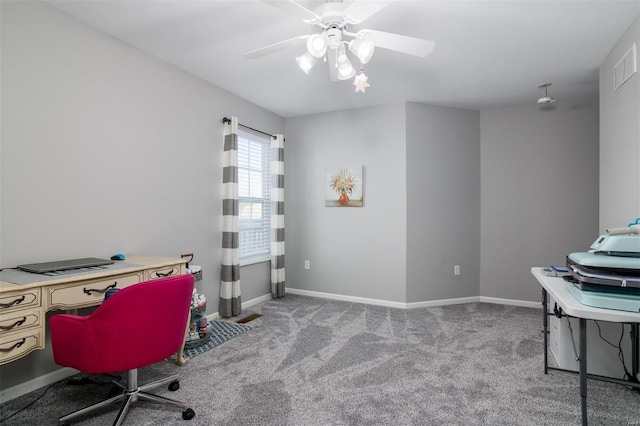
333,35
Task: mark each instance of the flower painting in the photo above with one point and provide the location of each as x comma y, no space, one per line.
344,187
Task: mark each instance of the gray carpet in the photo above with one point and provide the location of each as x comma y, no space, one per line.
310,361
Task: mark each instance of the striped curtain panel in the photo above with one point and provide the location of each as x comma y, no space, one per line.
230,269
277,217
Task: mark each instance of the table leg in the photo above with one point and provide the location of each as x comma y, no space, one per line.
545,325
634,350
180,358
583,369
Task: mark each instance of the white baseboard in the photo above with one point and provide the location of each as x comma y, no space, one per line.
342,297
512,302
255,301
414,305
442,302
37,383
216,315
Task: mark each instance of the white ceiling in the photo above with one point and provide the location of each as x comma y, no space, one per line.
488,53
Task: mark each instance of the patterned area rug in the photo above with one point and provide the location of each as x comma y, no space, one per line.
219,332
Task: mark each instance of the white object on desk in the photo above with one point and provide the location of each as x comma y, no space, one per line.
558,289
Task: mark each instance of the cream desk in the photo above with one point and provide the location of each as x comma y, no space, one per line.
23,305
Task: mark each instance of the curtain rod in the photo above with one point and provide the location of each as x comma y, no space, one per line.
228,120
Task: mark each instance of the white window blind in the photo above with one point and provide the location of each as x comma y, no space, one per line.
254,191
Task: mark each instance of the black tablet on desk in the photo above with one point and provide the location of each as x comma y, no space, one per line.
63,265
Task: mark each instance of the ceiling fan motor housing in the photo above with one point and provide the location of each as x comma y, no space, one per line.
334,37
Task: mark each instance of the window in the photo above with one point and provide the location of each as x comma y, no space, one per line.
254,167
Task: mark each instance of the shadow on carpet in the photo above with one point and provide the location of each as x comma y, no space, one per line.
219,332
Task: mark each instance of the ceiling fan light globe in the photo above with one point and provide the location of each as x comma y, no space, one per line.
306,62
347,74
317,46
345,69
363,49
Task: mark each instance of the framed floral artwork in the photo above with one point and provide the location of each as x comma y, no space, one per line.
344,187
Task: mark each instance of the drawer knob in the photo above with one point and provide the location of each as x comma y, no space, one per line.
161,275
97,290
17,345
15,302
14,325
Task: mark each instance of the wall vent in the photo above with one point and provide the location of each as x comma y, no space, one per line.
625,68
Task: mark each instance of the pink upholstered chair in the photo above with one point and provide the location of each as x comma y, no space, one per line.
137,326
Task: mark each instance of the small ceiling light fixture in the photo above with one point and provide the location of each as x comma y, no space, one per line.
362,49
345,69
317,46
305,62
545,99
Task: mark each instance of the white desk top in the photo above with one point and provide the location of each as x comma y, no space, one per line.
558,289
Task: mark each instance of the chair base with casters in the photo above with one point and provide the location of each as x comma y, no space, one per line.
131,393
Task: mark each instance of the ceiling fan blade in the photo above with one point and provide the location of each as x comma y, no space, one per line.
358,11
295,9
276,47
399,43
331,63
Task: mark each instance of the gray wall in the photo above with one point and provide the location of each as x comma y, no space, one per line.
356,251
443,202
496,192
620,138
106,150
539,192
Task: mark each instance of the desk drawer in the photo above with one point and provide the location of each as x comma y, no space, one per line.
87,293
19,344
19,320
166,271
19,300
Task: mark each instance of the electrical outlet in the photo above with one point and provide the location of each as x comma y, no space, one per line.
307,264
456,270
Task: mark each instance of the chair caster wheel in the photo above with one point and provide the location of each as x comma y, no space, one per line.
188,414
174,386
